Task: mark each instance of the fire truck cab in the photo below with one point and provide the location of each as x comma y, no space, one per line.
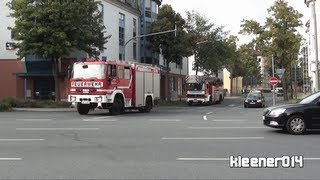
114,85
204,90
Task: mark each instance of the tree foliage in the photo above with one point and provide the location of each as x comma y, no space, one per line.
174,46
210,46
53,29
278,37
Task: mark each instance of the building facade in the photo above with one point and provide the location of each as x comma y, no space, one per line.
149,12
265,76
12,86
32,78
313,31
176,77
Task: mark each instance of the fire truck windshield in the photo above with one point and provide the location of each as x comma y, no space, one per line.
89,71
195,87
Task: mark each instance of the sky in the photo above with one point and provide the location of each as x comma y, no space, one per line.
230,13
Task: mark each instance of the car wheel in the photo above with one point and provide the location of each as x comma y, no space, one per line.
245,106
296,125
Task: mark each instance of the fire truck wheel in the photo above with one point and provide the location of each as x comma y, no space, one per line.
83,109
148,104
211,101
220,99
117,107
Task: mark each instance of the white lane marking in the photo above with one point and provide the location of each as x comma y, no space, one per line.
231,105
311,159
212,138
31,120
96,118
17,140
10,159
229,120
55,129
165,120
203,159
227,159
227,127
205,118
209,113
99,120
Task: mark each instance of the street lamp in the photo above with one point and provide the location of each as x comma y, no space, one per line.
147,35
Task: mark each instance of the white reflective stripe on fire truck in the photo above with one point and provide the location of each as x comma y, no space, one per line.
103,90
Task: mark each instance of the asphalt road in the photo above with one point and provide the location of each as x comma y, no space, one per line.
168,143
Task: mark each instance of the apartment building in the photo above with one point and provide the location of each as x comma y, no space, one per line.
313,30
31,77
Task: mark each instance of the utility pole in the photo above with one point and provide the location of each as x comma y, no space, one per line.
313,8
273,87
295,81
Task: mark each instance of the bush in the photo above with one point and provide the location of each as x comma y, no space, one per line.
4,106
8,103
172,103
12,102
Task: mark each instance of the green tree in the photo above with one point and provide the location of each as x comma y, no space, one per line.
278,37
199,27
174,46
53,29
209,45
249,64
233,61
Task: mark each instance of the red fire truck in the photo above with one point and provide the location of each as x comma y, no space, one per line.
114,85
204,90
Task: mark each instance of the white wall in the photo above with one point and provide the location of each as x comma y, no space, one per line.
111,21
5,34
311,43
174,69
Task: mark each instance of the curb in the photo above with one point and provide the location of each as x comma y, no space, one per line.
44,109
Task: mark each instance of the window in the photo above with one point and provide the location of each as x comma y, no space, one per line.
127,73
13,36
148,14
134,28
120,72
101,10
121,36
112,70
179,64
135,51
121,17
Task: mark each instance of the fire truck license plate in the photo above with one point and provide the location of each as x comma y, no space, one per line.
85,102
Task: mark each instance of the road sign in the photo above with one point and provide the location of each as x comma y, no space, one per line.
274,81
280,72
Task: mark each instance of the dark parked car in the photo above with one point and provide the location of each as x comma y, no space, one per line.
254,99
295,118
